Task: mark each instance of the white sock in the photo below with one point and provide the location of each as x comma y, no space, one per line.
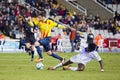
73,68
57,66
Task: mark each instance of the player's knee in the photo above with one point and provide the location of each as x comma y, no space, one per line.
37,43
28,45
49,53
81,67
32,48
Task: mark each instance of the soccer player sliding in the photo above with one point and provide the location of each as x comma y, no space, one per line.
87,55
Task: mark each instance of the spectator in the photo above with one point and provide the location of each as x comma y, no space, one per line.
72,39
1,27
68,31
59,43
7,28
53,11
112,29
90,37
98,38
77,40
54,43
97,25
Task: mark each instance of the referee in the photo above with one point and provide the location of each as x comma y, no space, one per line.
29,29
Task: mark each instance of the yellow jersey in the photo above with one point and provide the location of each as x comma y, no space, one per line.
46,27
33,22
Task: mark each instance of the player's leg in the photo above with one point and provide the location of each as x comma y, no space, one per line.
65,64
39,51
75,59
50,53
28,45
32,40
46,44
79,68
32,52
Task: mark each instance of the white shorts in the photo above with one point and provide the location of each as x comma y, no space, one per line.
85,57
76,59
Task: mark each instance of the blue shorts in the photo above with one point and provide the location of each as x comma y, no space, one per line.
46,43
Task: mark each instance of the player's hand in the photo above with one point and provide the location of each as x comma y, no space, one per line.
68,26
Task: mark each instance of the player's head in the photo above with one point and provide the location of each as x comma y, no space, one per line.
91,47
42,16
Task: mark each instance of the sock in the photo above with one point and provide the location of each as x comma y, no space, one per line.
73,68
56,56
57,66
27,49
32,54
39,51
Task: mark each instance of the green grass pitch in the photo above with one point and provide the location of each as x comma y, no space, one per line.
17,66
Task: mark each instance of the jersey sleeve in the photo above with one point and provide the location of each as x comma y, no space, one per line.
52,23
36,22
30,23
55,24
61,26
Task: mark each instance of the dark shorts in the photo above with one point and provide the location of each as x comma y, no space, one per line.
31,40
46,43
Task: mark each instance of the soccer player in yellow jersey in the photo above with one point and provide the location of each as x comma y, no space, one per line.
45,26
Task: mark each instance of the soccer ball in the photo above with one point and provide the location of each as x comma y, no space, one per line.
39,66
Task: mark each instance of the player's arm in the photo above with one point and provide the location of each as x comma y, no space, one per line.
33,24
60,26
56,24
101,65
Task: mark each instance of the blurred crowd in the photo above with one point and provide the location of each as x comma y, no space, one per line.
111,1
13,14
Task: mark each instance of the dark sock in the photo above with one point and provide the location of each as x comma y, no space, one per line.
56,56
27,49
32,54
39,51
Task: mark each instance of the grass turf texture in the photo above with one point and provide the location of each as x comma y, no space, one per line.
17,66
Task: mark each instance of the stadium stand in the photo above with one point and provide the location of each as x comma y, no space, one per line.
113,5
12,14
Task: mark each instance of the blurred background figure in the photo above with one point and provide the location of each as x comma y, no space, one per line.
90,37
99,42
54,43
59,43
72,39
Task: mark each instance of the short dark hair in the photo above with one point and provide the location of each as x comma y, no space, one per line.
43,14
91,47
